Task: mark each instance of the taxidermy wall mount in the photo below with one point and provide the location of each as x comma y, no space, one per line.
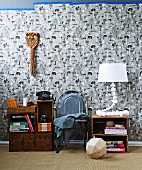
32,39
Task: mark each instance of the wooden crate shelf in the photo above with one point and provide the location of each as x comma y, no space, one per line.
99,125
31,141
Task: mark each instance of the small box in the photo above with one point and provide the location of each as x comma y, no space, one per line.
44,127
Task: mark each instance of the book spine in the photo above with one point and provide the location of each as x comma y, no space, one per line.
114,142
29,123
115,131
44,127
115,149
18,123
121,145
115,145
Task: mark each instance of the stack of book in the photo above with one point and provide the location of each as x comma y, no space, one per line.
115,146
117,129
19,127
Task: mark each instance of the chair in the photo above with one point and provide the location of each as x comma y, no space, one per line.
71,110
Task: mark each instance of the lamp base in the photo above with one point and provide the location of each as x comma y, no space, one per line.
114,99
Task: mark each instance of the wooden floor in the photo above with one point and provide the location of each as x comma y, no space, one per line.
71,158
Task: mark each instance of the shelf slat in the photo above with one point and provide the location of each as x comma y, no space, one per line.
108,117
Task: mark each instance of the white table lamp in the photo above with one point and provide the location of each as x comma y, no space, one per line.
112,72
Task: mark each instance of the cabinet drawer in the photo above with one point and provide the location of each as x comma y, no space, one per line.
44,142
30,142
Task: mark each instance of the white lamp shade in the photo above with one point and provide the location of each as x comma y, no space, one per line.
112,72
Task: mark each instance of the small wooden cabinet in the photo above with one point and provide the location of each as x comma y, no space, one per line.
99,126
25,140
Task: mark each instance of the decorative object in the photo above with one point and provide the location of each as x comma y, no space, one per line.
43,118
12,102
32,39
96,148
25,101
109,123
112,72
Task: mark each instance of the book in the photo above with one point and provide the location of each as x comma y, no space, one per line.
115,149
43,127
115,131
18,123
29,123
121,145
18,129
114,142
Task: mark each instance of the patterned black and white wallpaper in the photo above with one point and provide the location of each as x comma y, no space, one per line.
74,40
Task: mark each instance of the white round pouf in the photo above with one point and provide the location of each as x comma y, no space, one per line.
96,148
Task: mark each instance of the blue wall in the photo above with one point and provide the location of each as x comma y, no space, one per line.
29,3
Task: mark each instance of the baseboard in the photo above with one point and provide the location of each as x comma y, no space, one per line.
130,143
4,142
134,143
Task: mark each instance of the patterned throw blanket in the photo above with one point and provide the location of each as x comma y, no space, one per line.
67,122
